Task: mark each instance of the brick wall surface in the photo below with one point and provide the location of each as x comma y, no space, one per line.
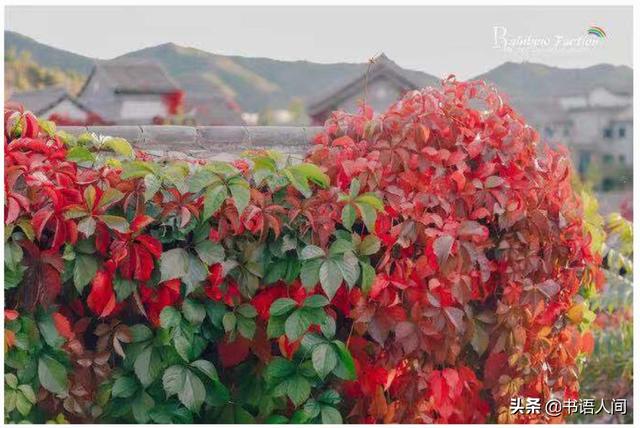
207,142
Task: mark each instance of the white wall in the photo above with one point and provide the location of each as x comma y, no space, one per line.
67,109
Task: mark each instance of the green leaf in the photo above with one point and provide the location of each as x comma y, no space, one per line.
340,246
299,181
311,408
346,368
207,368
330,396
189,388
275,327
328,327
52,375
310,273
10,398
11,380
315,301
202,178
330,415
280,368
215,312
22,404
173,379
369,245
137,169
49,331
324,358
140,333
28,393
86,226
354,188
368,214
48,126
368,276
110,197
170,317
240,193
152,185
120,146
147,366
247,310
173,264
80,154
115,222
296,325
282,306
193,311
246,327
348,216
124,288
141,407
330,277
229,321
372,200
276,271
276,419
311,252
349,268
193,393
213,199
312,172
196,273
124,387
298,389
210,252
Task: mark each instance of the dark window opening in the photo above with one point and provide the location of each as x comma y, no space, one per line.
622,132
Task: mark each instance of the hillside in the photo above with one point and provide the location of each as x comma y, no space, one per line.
47,56
254,82
257,83
531,80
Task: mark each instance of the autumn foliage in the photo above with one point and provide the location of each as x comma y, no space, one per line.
423,265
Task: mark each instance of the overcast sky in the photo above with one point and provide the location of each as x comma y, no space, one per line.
438,40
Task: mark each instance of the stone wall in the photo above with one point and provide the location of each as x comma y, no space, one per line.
207,142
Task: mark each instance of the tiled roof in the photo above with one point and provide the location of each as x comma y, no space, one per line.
212,110
39,100
139,76
382,65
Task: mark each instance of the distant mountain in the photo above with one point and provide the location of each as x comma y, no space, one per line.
47,56
531,80
257,83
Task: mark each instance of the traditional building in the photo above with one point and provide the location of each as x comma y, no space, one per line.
212,110
55,103
384,83
129,92
596,127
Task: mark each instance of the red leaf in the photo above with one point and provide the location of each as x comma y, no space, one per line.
233,353
102,299
140,222
10,314
587,343
63,325
151,244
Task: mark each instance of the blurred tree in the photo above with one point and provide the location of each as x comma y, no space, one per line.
22,73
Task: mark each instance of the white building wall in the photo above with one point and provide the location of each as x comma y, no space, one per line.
381,93
68,109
